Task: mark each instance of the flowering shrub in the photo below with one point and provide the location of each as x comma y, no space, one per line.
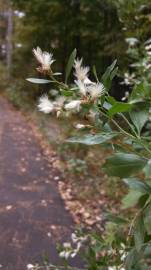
125,128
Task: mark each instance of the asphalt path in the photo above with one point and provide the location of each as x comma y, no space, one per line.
33,218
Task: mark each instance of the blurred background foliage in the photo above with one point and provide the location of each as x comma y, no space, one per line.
97,28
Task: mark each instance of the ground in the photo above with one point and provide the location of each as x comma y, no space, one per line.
32,214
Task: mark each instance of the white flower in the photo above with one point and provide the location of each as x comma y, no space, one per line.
45,105
67,245
132,41
81,73
44,58
73,235
82,87
148,47
78,63
79,244
54,92
96,90
30,266
125,96
73,254
115,268
73,105
124,255
65,254
78,126
112,268
59,103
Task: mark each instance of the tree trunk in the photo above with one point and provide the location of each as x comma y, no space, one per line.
9,46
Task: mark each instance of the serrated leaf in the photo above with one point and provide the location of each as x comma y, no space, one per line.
93,139
38,81
70,64
123,164
135,184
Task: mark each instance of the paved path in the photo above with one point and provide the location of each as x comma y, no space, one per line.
32,214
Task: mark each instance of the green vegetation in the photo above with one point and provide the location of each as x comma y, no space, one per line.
101,31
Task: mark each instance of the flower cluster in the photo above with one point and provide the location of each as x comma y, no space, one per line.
88,91
44,58
68,250
87,88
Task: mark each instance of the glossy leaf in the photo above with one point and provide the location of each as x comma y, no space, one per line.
115,219
147,219
131,199
140,186
70,64
95,73
147,169
132,260
93,139
123,164
38,81
119,107
139,116
109,75
139,232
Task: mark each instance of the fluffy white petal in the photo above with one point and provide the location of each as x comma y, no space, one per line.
45,105
73,105
44,58
82,87
96,90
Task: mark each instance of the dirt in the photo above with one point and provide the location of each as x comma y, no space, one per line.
33,218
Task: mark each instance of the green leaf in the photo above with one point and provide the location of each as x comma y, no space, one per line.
70,64
114,72
67,93
119,107
147,219
115,219
95,73
38,81
147,169
131,199
135,184
109,74
139,232
109,70
139,116
131,260
123,164
93,139
57,74
137,91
